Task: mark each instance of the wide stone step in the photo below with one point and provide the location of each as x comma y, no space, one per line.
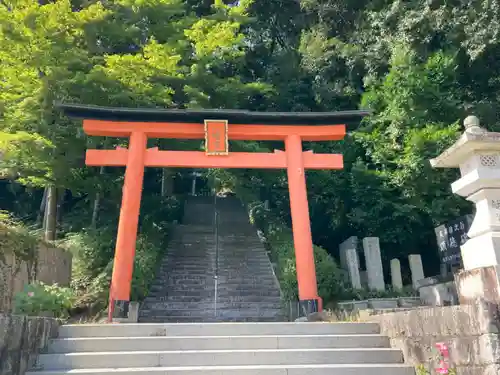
224,329
221,312
192,240
188,358
320,369
199,298
183,270
223,293
208,319
232,287
244,264
182,279
201,249
276,304
116,344
179,268
221,286
228,299
208,298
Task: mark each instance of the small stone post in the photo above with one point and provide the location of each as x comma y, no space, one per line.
349,260
477,154
396,278
374,269
416,268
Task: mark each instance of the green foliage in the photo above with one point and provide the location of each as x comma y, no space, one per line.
149,252
16,238
93,250
279,240
42,299
351,294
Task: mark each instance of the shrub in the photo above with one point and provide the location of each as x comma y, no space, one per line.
41,299
93,254
16,238
279,240
351,294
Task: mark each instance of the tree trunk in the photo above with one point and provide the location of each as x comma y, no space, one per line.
167,182
97,204
40,219
51,214
61,196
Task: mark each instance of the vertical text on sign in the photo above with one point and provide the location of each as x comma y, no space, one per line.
216,139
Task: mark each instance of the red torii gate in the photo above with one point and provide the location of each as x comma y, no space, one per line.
141,124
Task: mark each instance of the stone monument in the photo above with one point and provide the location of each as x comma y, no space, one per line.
396,278
349,260
373,259
416,268
477,154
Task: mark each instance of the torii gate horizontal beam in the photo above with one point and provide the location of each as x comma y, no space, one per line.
239,132
198,159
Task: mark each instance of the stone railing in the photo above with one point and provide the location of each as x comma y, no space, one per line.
470,332
21,339
50,266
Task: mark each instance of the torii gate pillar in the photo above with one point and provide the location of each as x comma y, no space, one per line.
121,280
301,226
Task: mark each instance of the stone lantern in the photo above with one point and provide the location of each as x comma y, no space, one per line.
477,154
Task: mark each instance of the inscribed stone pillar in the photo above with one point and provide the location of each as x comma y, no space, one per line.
477,154
416,268
373,259
349,260
396,278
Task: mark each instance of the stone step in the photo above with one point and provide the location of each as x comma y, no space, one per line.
223,293
209,272
225,329
199,263
320,369
182,270
208,319
169,291
183,358
210,284
209,311
178,278
221,312
228,299
208,298
116,344
220,305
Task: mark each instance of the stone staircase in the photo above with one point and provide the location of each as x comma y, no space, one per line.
185,288
221,349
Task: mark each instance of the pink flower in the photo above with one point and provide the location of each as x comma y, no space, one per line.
441,346
442,370
31,294
443,349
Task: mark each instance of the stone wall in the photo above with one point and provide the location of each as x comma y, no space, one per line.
21,339
470,331
52,265
437,291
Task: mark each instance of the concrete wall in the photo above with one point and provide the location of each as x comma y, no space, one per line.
470,331
21,339
52,266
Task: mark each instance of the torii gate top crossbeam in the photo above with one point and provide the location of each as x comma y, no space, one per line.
188,124
198,116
